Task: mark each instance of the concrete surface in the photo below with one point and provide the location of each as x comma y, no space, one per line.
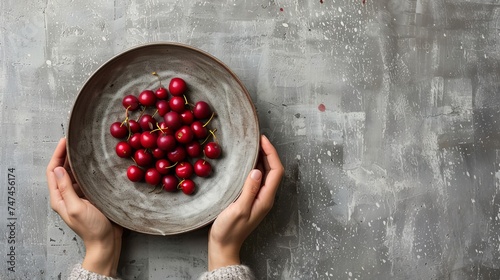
384,113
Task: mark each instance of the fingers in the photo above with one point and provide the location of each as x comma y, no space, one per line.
71,200
55,195
59,156
272,163
250,189
57,159
273,173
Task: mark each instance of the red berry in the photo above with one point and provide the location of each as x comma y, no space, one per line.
123,149
148,139
152,176
161,93
184,135
187,117
135,141
118,130
166,142
193,149
212,150
187,186
184,170
130,102
173,120
163,166
158,153
199,130
147,122
143,158
170,183
177,104
178,154
147,98
202,110
177,86
202,168
135,173
162,107
134,126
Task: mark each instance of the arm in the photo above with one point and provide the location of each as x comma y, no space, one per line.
101,237
239,219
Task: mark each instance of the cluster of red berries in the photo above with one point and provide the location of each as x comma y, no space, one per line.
170,145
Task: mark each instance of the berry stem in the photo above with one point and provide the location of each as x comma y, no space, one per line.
211,117
134,161
212,133
161,189
154,189
126,116
167,167
123,122
142,112
158,128
156,74
180,183
129,133
126,111
127,121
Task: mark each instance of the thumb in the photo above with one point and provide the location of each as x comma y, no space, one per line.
65,186
250,188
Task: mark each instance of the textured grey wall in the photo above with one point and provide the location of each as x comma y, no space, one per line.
385,115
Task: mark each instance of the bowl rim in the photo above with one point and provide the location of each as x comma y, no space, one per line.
137,48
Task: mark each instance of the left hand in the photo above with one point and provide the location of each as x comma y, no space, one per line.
240,218
101,237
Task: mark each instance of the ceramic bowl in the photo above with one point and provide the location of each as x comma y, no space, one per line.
101,174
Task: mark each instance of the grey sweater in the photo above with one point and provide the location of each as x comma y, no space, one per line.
240,272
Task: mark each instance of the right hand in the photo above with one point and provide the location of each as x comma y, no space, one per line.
239,219
101,237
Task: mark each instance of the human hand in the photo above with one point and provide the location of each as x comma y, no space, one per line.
239,219
101,237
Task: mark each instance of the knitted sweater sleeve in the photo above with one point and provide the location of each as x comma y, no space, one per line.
80,273
240,272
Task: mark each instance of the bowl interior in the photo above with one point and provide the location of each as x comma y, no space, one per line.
102,174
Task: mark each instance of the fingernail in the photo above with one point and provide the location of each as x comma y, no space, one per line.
256,174
59,171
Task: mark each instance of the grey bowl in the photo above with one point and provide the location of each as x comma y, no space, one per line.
101,174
